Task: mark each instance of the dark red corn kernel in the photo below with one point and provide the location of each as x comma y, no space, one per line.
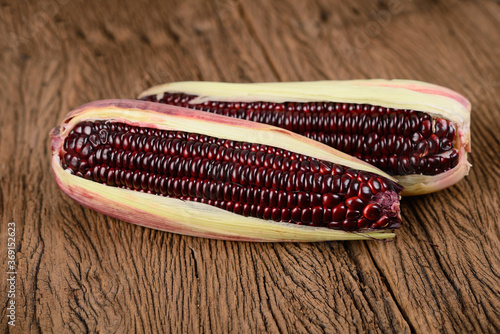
363,176
275,214
338,212
267,213
417,137
246,209
384,185
317,215
353,189
327,214
335,225
434,162
372,211
296,214
404,165
316,199
306,215
303,200
365,192
74,163
363,223
374,185
352,214
285,215
433,142
355,203
441,127
381,222
451,132
445,163
345,180
426,128
422,148
331,200
382,163
349,225
337,170
398,145
373,132
446,145
245,178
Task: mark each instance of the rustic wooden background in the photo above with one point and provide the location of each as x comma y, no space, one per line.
79,271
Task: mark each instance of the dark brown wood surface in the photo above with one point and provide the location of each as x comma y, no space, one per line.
80,271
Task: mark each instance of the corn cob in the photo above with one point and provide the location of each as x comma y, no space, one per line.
207,175
415,131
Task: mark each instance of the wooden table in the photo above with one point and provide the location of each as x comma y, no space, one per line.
80,271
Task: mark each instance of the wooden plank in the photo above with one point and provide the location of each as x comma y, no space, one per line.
80,271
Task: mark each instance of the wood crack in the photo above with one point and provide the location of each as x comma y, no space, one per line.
389,288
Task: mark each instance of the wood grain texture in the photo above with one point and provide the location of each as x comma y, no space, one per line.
79,271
